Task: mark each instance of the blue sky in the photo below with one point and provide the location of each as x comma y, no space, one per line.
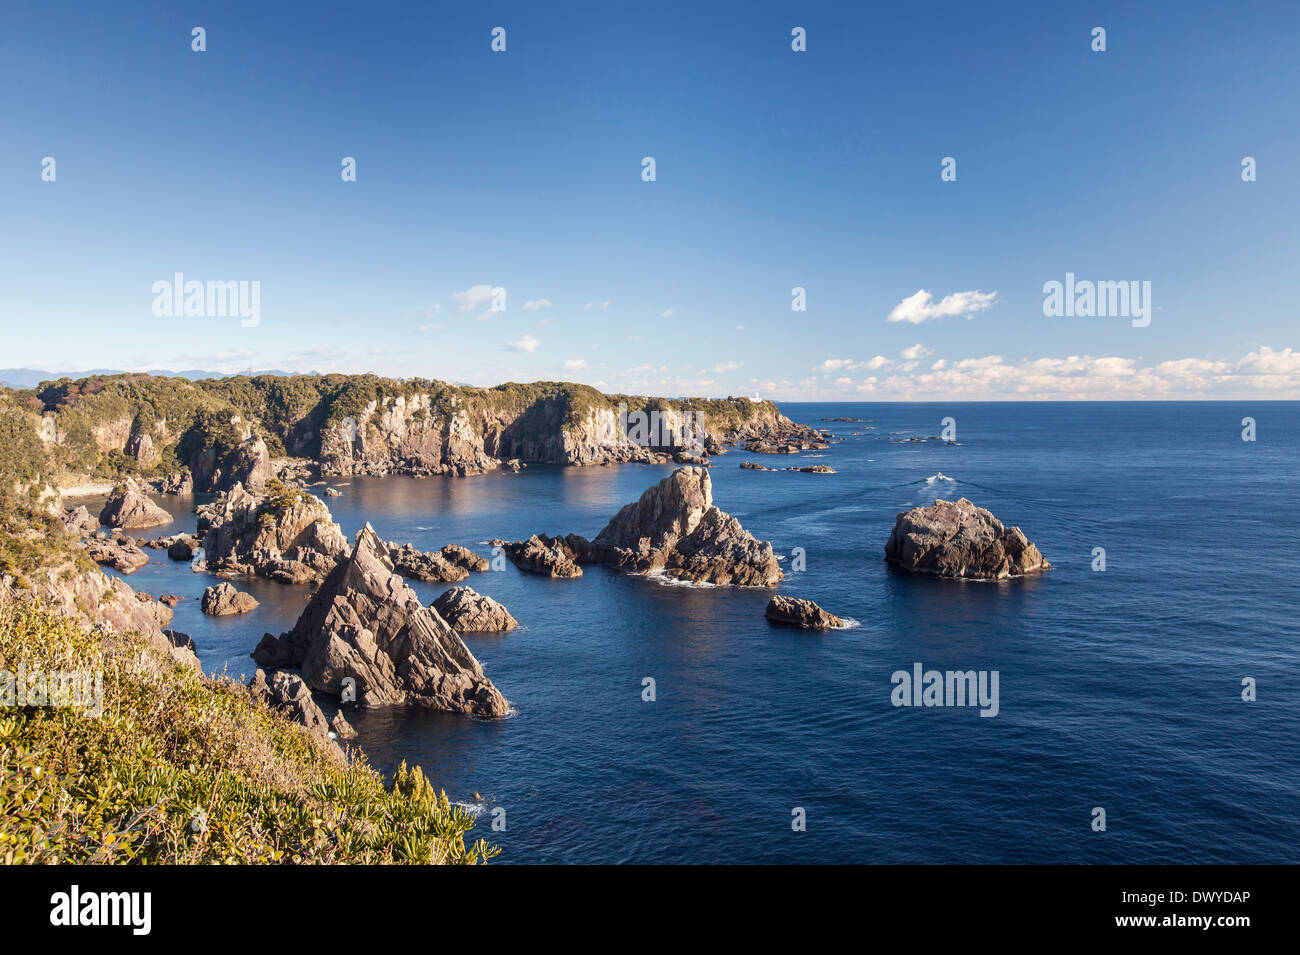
774,169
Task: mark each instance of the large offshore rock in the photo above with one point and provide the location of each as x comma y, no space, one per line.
801,613
468,611
675,529
128,506
283,534
958,539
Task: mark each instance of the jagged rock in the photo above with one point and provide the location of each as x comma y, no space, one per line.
333,492
755,466
181,482
341,727
182,548
284,534
129,507
178,639
548,556
161,613
815,469
223,599
288,693
365,625
79,522
118,552
958,539
675,529
471,612
464,557
801,613
422,565
171,600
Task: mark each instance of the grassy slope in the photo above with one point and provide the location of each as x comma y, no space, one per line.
180,769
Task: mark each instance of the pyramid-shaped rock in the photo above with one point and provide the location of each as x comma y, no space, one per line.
366,625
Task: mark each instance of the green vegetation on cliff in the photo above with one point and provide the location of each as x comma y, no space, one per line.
179,769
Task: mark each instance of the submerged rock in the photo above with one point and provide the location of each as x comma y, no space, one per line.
365,626
675,529
801,613
129,507
470,612
958,539
223,599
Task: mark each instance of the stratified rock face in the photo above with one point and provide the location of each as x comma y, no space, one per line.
675,529
223,599
958,539
801,613
366,626
548,556
129,507
470,612
288,536
464,557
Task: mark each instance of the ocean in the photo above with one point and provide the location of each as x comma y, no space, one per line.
1119,689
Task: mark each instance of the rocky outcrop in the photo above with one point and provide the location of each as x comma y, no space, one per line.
104,602
676,530
79,522
283,534
289,694
548,556
470,612
128,507
366,630
958,539
451,564
117,551
221,600
341,727
801,613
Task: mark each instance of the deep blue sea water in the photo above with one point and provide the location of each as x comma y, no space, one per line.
1118,689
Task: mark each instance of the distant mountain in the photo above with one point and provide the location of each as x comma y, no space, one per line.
31,377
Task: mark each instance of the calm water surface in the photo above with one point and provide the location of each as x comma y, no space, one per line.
1118,689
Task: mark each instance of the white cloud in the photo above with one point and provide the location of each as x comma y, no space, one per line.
726,366
473,297
528,343
536,304
590,305
666,313
431,328
575,364
918,308
835,364
915,352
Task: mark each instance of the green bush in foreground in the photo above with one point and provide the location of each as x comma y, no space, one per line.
179,769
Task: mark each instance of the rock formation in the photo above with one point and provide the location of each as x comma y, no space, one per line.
79,522
801,613
451,564
676,530
223,599
548,556
128,507
285,535
367,627
958,539
470,612
118,551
